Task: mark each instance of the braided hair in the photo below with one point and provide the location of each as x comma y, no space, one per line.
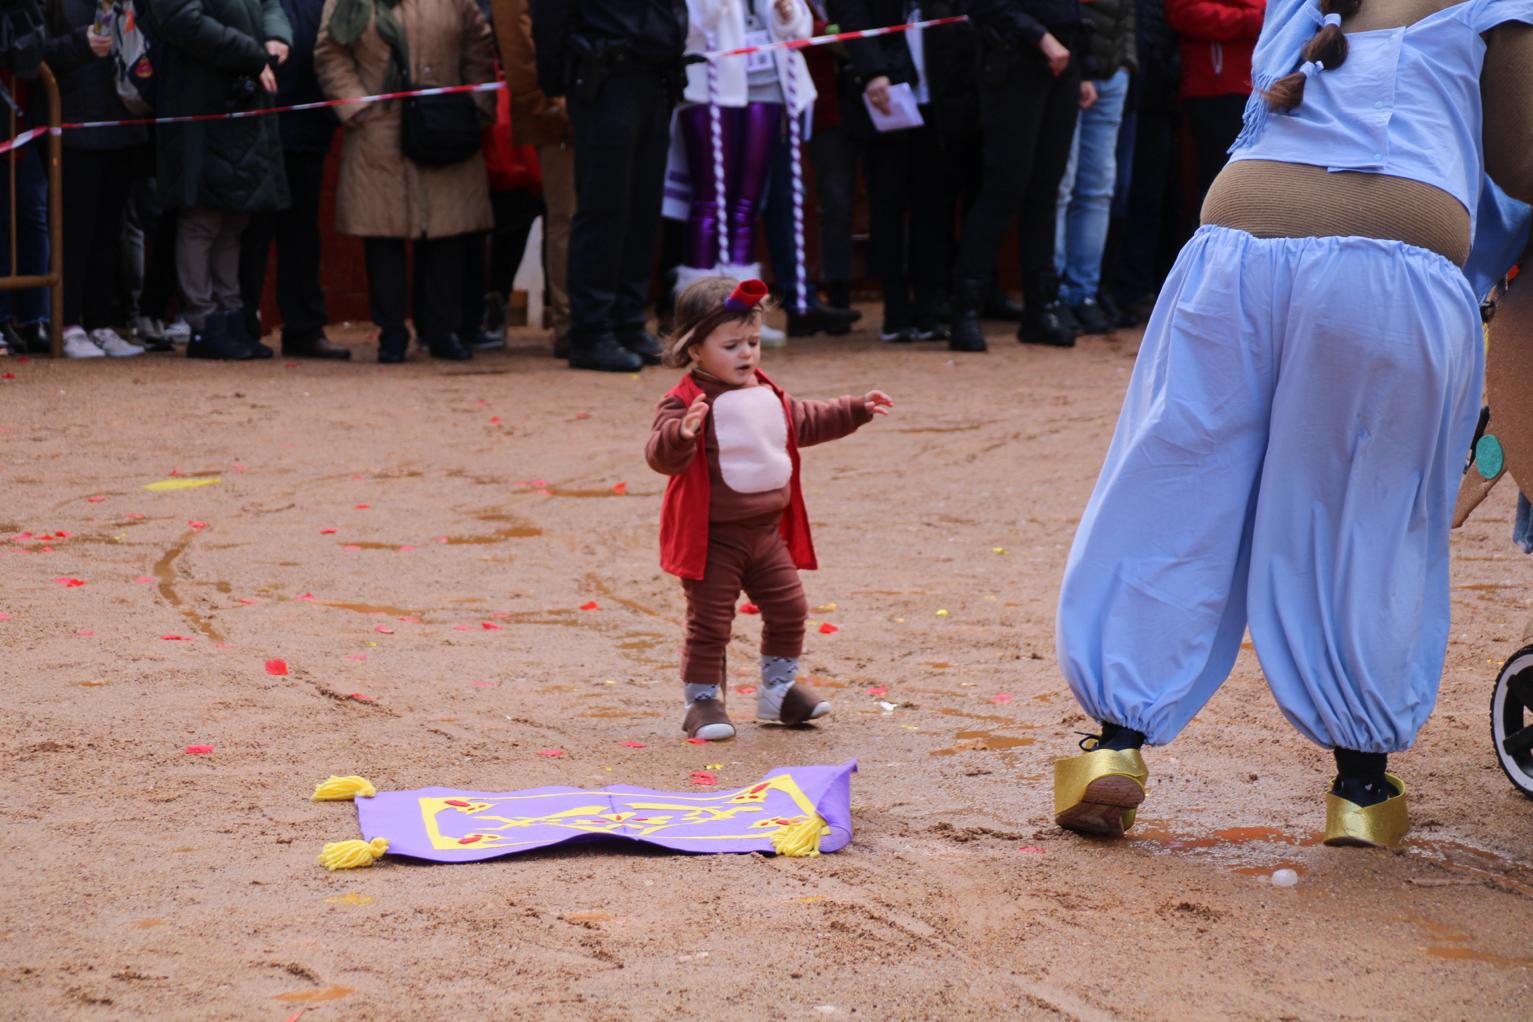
1325,52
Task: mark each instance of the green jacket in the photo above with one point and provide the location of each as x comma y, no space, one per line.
1112,38
209,47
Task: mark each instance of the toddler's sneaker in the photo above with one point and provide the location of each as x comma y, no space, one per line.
707,719
109,341
77,344
790,703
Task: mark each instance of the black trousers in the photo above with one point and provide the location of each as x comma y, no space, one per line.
621,142
438,303
515,213
908,177
300,299
834,155
1214,122
1028,122
96,186
1153,226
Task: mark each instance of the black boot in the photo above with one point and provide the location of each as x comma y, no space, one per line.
967,335
817,318
215,340
604,354
1092,318
317,346
449,347
1360,777
239,328
392,348
1046,319
838,295
643,344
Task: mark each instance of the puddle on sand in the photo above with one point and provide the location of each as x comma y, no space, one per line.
948,711
373,609
333,993
1228,837
560,491
1452,944
498,536
983,741
165,572
1457,857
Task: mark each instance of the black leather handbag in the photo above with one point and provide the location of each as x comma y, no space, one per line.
439,130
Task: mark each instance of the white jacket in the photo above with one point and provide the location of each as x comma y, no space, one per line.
720,25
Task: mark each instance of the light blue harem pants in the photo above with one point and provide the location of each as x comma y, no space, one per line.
1287,457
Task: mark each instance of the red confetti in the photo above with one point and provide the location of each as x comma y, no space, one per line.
327,532
247,601
621,489
593,605
635,745
697,741
351,548
94,500
552,753
358,696
86,635
198,750
178,638
582,415
1004,697
70,583
489,626
135,516
384,630
305,597
4,616
7,376
826,628
277,667
495,420
480,402
144,580
470,839
194,523
459,803
749,608
1030,850
878,690
703,777
290,365
362,507
746,690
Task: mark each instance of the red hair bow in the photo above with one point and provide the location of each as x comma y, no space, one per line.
746,296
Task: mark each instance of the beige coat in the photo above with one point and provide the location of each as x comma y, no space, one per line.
535,119
382,194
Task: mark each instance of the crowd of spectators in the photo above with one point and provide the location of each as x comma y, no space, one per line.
1090,129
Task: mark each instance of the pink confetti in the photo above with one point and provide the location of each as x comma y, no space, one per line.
85,634
178,638
703,777
69,583
361,507
277,667
410,620
746,690
351,548
405,548
135,516
484,684
592,605
4,616
327,532
305,597
439,539
144,580
480,403
462,628
582,415
489,626
384,630
356,656
749,608
239,467
358,696
826,628
634,745
1004,697
1030,850
878,690
195,524
495,420
94,500
247,601
621,489
198,750
552,753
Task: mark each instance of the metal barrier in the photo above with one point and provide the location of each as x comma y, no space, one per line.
54,278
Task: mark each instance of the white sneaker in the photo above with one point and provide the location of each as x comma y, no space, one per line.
771,337
148,328
178,332
77,344
109,341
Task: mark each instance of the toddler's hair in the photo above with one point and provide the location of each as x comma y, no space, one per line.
699,312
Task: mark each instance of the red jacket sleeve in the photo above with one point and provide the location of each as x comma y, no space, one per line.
1219,20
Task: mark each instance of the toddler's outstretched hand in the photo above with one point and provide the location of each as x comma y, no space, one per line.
693,420
877,402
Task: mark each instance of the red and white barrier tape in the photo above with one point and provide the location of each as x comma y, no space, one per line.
835,37
231,115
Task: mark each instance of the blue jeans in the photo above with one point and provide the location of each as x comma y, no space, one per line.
1086,192
30,305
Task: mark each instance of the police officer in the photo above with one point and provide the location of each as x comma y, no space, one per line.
619,64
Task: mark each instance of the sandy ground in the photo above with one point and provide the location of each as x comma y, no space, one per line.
144,882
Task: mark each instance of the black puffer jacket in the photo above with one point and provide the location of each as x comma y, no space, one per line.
88,92
1112,43
210,45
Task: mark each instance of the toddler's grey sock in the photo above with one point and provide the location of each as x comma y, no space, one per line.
777,675
696,693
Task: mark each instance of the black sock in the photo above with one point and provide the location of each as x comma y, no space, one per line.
1118,737
1360,777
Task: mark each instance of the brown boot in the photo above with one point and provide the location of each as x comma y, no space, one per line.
707,719
802,704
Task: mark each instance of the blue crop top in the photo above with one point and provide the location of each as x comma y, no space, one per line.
1406,103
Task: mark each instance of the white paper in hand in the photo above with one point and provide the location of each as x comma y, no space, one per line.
903,111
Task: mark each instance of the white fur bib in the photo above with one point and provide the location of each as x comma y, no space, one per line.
753,440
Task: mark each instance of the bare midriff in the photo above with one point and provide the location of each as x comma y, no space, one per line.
1270,199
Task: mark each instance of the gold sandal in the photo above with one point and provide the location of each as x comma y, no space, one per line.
1381,825
1099,791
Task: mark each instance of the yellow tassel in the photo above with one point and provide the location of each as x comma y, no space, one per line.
343,789
353,854
801,839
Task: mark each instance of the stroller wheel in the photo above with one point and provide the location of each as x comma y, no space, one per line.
1511,719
